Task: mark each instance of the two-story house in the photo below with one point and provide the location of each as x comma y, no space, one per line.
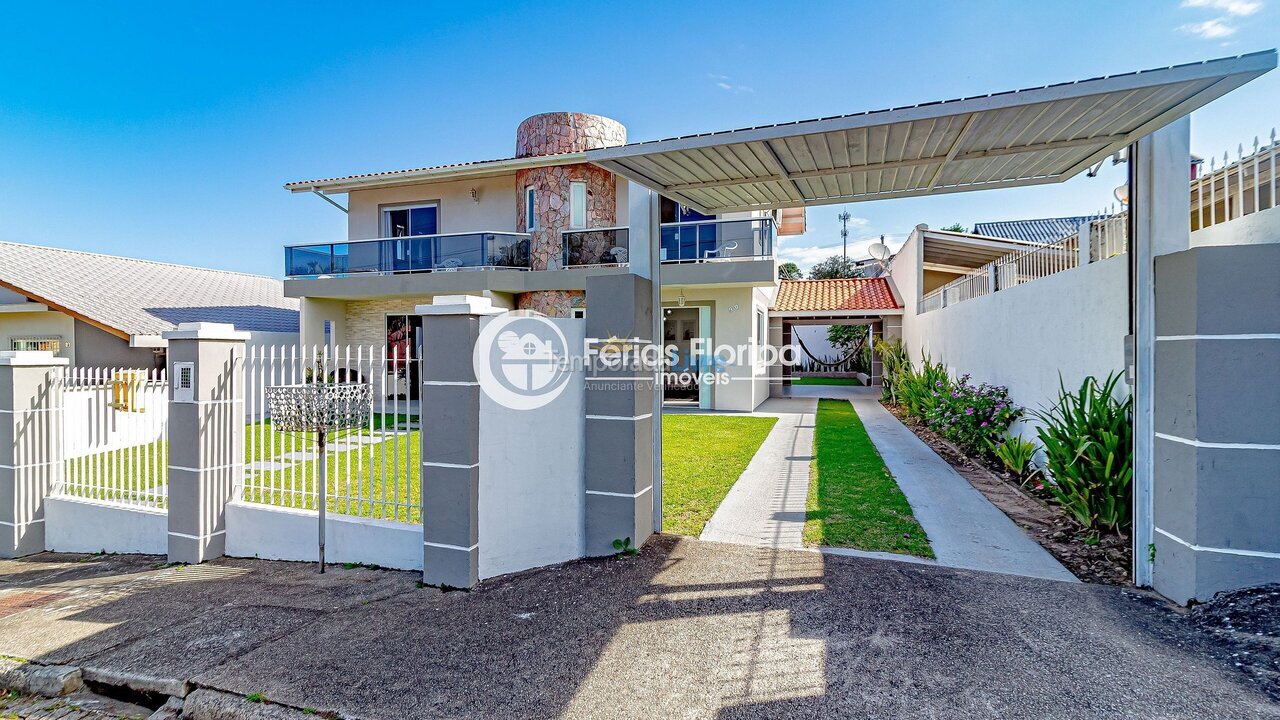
526,231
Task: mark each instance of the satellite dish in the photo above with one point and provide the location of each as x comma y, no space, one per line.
879,251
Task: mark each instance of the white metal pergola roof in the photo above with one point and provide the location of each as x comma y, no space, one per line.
1024,137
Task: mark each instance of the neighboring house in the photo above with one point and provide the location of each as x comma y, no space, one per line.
527,231
1041,230
105,311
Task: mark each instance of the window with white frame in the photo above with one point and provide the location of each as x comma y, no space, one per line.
51,343
577,204
530,213
410,220
577,312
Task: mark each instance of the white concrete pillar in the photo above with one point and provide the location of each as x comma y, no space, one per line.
30,446
205,436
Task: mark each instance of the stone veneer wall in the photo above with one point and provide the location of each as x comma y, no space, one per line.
367,319
552,133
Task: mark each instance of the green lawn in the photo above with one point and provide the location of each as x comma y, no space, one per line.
853,500
390,472
702,457
824,381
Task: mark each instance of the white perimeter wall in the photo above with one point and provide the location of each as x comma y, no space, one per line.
1073,323
73,525
532,489
1254,229
276,533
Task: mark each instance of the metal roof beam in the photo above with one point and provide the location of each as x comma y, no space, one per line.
912,162
782,175
955,148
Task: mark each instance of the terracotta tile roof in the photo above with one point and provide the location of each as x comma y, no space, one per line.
831,295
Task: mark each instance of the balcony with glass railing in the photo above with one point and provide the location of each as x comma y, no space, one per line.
687,242
417,254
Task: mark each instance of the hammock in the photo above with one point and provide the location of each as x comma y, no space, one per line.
857,349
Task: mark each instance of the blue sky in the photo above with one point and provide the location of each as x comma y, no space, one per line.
165,131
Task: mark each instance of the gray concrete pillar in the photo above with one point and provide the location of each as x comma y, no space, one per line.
450,440
30,446
619,464
1217,439
205,436
1159,208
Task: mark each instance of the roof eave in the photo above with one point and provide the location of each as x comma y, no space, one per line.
430,175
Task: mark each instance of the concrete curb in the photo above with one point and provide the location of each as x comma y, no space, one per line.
35,679
205,704
138,683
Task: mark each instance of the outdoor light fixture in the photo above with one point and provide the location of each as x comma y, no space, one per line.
475,195
320,408
680,300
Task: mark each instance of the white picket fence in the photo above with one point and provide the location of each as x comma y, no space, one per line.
373,471
113,429
1238,188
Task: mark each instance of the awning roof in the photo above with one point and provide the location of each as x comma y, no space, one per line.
946,250
1024,137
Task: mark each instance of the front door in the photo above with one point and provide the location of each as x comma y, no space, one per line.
404,354
684,383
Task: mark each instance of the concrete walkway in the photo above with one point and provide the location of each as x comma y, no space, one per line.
766,507
964,528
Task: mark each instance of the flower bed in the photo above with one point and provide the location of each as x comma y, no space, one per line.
1077,504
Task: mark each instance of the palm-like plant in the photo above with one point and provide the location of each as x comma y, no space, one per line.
1088,444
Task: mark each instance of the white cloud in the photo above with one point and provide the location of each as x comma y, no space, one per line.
1239,8
806,256
724,82
1209,29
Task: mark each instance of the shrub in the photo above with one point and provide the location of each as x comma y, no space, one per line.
894,362
972,417
1016,455
921,390
1087,438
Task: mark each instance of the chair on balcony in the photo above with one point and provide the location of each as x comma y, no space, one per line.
450,264
723,249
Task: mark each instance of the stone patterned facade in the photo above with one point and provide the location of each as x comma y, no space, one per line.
552,133
565,132
555,303
367,319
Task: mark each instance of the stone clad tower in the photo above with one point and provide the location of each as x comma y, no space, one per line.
550,134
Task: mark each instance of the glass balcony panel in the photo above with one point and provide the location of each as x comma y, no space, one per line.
506,250
309,260
459,251
752,237
409,254
605,246
363,257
